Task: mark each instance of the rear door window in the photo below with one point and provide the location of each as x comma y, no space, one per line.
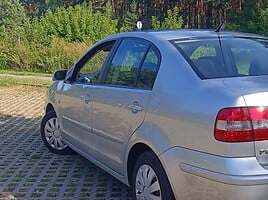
125,64
135,65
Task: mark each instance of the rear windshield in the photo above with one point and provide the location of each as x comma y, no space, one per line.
227,57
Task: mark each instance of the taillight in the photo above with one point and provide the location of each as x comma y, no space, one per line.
242,124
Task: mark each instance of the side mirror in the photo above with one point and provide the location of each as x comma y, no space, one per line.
60,75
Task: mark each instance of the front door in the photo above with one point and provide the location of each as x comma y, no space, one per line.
76,99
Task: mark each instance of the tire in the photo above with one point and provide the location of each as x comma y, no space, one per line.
51,134
149,175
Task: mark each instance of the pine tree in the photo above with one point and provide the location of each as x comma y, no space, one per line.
12,19
171,21
130,19
263,21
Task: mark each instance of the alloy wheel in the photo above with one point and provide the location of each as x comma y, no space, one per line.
53,134
147,184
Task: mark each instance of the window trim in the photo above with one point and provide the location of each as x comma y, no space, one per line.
158,66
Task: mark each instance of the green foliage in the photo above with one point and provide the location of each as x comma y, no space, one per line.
56,33
100,5
7,81
103,25
77,23
52,41
261,22
12,13
244,20
40,58
12,17
171,21
250,19
130,19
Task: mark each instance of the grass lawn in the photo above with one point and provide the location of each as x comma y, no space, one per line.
10,81
24,73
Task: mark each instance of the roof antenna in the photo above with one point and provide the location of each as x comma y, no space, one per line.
221,27
139,25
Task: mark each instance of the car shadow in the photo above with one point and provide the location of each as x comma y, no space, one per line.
29,171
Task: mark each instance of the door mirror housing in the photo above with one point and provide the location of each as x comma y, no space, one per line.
60,75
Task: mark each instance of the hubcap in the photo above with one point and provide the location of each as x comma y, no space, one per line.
53,134
147,184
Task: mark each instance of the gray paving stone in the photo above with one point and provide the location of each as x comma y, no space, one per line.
29,171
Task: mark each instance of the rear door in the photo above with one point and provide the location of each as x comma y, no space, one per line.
119,103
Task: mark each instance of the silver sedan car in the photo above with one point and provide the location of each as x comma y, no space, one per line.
174,114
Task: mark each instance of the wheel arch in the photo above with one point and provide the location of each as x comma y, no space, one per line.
134,153
136,150
49,107
155,141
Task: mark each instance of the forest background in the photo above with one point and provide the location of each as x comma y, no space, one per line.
46,35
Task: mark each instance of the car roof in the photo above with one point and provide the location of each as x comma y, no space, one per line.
182,34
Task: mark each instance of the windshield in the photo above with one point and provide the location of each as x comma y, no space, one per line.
227,57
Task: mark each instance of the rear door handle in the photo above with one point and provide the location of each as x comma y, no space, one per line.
135,107
86,98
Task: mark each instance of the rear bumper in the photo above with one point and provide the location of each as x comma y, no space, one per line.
196,175
225,178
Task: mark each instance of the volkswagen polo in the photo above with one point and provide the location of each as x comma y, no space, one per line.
174,114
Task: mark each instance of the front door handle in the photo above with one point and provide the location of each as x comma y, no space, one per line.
135,107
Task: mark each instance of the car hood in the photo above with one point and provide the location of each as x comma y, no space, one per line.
253,89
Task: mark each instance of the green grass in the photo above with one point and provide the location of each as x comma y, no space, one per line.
10,81
23,73
7,81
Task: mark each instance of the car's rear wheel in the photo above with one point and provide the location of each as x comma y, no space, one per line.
149,179
51,134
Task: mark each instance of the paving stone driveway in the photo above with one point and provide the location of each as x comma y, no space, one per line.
29,171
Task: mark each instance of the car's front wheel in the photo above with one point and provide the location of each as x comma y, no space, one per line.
51,134
149,179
